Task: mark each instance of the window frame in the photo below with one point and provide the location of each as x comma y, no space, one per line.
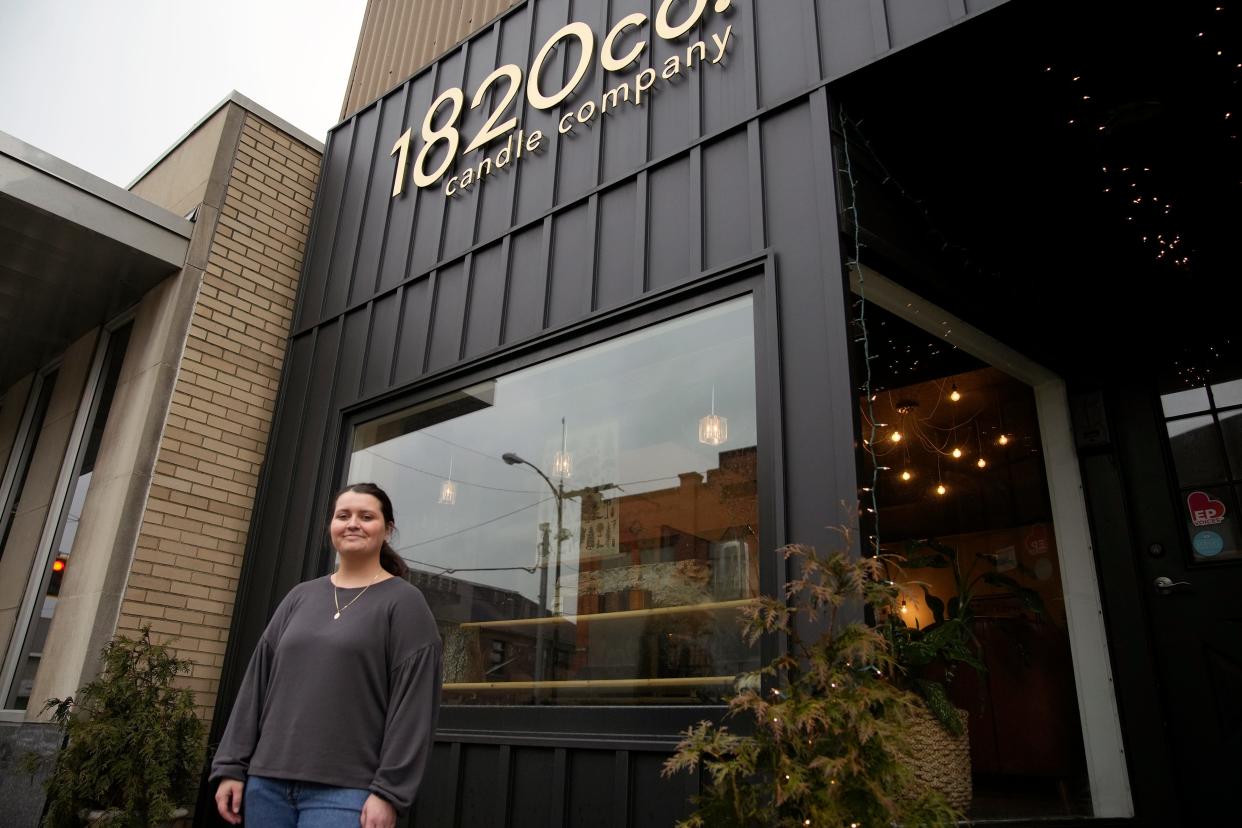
639,726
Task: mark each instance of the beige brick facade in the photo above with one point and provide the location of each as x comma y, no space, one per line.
186,565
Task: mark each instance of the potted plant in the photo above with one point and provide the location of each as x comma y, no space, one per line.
133,744
826,743
927,658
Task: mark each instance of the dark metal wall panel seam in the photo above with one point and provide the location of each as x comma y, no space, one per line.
434,286
545,268
504,784
641,197
593,229
454,775
597,135
560,772
465,314
758,213
522,109
957,9
696,210
621,789
810,31
506,255
362,207
396,340
474,201
360,388
383,250
879,27
419,195
336,230
769,390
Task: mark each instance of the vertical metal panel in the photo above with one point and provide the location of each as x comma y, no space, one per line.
910,21
976,6
411,350
657,801
462,209
621,789
436,804
820,420
840,22
527,283
297,545
496,199
668,230
617,281
726,201
432,203
623,142
537,189
532,781
570,283
385,315
671,122
727,98
590,789
402,209
448,316
578,162
348,228
373,237
784,65
327,209
479,803
487,300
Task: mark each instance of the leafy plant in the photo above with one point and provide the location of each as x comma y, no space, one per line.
826,745
134,745
927,658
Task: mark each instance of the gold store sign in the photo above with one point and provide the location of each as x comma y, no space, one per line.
439,129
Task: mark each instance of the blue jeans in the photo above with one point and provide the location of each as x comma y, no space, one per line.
280,803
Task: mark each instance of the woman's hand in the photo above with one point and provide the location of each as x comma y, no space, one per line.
229,800
377,813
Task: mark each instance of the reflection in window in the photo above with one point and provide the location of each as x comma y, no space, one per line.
576,537
1205,442
59,562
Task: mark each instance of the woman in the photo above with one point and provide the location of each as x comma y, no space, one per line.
334,720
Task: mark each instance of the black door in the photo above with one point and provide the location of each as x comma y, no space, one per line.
1181,451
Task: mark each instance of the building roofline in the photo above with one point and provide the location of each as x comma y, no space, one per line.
250,106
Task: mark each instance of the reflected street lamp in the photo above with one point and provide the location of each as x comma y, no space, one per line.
558,491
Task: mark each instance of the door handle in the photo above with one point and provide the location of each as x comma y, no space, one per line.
1166,585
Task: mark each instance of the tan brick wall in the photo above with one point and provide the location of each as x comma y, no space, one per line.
188,557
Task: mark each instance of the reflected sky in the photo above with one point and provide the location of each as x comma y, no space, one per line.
631,407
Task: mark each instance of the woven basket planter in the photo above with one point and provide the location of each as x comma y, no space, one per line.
941,760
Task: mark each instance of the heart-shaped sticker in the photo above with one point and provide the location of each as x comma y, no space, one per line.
1205,510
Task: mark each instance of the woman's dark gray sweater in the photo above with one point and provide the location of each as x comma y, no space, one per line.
350,702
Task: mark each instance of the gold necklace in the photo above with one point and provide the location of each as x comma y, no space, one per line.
337,602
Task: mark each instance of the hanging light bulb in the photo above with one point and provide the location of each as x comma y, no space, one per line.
957,453
904,608
1004,440
982,463
448,489
562,461
905,475
713,429
895,436
955,395
941,490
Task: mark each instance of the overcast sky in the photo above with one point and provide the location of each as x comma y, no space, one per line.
109,85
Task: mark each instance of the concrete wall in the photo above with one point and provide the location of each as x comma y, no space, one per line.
179,181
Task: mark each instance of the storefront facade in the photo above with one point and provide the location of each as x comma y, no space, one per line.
615,299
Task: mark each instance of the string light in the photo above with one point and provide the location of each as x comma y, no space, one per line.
957,453
1003,440
955,395
895,437
905,475
941,490
982,463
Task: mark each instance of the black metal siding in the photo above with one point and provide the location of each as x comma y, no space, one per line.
732,163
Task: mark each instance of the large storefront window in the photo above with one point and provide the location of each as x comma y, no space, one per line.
962,470
586,529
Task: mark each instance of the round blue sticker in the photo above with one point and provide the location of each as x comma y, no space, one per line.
1208,544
